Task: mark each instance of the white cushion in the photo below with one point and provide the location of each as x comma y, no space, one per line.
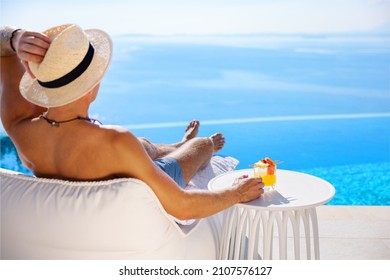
218,165
115,219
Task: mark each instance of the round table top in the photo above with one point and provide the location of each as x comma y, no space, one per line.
293,190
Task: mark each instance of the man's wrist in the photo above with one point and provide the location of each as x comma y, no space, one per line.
234,196
6,34
12,38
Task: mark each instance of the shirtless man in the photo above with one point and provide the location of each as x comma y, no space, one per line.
46,116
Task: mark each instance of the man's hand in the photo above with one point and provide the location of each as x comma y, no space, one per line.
30,46
248,188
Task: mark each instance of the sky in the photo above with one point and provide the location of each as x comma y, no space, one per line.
202,16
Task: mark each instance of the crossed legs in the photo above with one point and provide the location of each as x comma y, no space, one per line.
192,153
160,150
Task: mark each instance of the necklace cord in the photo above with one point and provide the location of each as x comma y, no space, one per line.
55,123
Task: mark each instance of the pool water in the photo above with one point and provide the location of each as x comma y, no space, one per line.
321,105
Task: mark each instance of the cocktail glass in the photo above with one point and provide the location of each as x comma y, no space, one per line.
261,171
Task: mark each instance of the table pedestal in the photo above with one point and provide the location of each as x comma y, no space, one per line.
244,227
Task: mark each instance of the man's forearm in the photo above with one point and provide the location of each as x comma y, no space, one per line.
199,203
14,107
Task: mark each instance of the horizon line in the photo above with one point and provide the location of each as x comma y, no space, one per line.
276,34
260,120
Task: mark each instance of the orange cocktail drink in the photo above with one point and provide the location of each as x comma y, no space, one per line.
266,169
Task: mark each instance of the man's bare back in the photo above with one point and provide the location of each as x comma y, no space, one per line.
83,150
77,149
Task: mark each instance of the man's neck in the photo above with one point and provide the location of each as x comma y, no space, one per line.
67,112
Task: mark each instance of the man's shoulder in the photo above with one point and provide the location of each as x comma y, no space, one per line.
118,135
115,130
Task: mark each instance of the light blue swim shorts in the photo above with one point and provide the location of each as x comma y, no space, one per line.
172,167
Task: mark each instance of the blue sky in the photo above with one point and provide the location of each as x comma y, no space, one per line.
202,16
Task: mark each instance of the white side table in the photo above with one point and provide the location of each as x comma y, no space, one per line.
294,199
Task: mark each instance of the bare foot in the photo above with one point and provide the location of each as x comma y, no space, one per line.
218,141
191,131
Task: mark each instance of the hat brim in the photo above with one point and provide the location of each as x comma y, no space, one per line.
56,97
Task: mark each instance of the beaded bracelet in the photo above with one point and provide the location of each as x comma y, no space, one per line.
12,36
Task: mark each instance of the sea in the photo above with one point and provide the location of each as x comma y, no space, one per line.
320,104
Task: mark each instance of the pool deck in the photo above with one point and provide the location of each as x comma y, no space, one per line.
351,233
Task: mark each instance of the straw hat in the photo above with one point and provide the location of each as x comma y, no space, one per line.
73,65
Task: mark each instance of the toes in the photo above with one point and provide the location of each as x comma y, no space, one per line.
192,124
218,137
218,141
191,130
